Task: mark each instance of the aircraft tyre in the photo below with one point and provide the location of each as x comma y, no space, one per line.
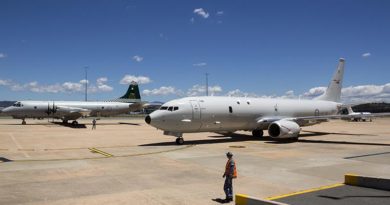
65,121
179,141
257,133
24,122
74,123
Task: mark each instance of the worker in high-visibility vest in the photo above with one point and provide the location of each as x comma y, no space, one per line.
230,173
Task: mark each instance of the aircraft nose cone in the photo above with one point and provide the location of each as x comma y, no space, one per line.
148,119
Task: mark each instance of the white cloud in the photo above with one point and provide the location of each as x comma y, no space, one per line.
66,87
102,80
219,13
84,81
289,95
198,90
138,58
127,79
4,82
164,90
366,55
356,94
314,92
72,87
201,12
101,85
3,55
199,64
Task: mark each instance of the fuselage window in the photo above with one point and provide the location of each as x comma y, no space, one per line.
170,108
163,108
175,108
238,102
102,108
247,102
35,107
230,109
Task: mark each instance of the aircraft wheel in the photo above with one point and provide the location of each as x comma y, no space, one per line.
257,133
24,122
65,121
179,141
74,123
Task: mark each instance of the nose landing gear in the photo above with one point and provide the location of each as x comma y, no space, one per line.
179,141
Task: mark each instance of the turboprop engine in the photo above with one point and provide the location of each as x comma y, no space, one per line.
284,129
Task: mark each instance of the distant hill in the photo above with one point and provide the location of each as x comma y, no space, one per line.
6,103
372,107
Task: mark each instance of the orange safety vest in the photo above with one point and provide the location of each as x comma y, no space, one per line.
227,169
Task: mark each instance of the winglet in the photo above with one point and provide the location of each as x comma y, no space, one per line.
333,92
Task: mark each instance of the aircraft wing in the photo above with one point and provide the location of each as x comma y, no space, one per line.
326,117
73,112
264,122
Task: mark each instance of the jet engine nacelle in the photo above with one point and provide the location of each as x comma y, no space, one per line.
284,129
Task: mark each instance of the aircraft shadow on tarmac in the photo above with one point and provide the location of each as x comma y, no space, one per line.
245,138
128,123
78,126
3,159
217,139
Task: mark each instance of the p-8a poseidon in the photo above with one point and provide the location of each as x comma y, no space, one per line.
72,110
283,118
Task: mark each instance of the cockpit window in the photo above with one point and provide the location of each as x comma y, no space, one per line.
17,104
170,108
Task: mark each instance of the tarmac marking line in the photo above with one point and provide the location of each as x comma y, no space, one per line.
101,157
100,152
367,155
306,191
20,148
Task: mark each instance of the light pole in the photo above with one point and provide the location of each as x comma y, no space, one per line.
86,83
207,84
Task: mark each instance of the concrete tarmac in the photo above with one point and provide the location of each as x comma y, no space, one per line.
125,161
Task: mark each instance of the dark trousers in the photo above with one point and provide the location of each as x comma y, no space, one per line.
228,187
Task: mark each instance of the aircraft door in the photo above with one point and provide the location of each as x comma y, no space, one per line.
196,114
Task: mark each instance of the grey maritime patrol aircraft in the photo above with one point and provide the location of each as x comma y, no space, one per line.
283,118
72,110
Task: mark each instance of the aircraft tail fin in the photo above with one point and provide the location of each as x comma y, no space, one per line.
350,111
333,92
132,94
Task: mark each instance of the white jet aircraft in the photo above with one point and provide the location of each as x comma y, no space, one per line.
72,110
283,118
360,116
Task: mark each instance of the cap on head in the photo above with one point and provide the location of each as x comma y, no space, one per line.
229,154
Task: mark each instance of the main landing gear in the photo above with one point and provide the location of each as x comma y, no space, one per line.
24,122
75,123
257,133
179,141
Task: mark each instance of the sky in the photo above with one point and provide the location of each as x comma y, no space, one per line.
259,48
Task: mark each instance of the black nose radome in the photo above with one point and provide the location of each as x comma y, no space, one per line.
148,119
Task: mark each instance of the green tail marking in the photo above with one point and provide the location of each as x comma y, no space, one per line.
132,92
